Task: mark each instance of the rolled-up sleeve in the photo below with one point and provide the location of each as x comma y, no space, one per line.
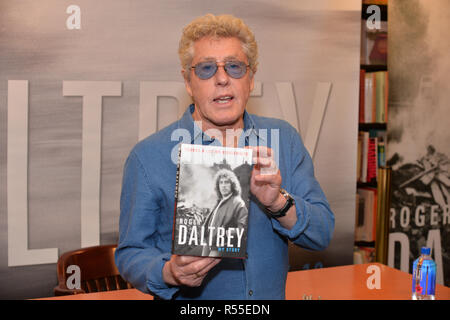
315,220
138,256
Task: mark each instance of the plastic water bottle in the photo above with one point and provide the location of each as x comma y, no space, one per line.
424,276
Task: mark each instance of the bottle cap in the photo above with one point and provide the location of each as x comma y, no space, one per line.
425,250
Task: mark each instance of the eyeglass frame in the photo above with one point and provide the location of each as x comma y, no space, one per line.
223,65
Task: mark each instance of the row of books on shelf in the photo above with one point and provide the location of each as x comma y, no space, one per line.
371,155
373,96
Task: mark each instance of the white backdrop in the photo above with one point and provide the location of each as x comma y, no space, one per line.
73,102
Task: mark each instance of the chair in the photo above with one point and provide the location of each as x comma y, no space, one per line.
98,271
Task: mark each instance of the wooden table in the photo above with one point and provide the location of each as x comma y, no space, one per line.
350,283
335,283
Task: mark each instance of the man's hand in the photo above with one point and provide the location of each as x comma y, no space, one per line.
265,185
187,270
266,178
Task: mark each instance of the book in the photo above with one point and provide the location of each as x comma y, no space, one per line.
359,157
372,165
381,154
366,215
212,198
373,103
368,97
386,96
364,137
380,99
362,95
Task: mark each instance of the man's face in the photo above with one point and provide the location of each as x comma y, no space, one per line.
224,187
220,101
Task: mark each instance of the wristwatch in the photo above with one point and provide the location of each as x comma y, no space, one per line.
289,203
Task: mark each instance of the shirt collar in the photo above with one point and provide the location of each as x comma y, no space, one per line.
187,122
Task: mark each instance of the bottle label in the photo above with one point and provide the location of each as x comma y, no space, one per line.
424,277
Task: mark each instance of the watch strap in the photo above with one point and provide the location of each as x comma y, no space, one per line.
289,203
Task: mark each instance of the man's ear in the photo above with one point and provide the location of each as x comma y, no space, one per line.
252,83
187,82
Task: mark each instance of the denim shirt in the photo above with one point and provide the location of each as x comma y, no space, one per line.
147,211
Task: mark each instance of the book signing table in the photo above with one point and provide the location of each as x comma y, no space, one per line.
372,281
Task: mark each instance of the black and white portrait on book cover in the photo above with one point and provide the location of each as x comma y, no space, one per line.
212,201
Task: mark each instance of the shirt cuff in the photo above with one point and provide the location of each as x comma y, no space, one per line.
303,218
155,282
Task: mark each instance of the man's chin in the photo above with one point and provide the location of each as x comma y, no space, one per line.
230,121
224,124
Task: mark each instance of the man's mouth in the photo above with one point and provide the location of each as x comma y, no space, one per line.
223,99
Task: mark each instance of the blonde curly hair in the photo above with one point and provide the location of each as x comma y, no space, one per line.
221,26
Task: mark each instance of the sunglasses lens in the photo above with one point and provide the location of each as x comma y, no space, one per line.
235,69
205,70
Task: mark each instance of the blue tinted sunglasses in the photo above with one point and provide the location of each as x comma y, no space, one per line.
205,70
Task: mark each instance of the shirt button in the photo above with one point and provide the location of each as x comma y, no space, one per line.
250,293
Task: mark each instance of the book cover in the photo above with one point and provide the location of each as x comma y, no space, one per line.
212,201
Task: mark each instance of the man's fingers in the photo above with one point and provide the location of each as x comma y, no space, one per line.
186,260
190,270
201,267
271,178
263,160
271,169
191,265
204,269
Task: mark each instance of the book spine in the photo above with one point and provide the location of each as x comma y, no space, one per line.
374,97
381,154
374,216
359,157
176,197
365,152
371,160
368,98
380,96
386,95
362,85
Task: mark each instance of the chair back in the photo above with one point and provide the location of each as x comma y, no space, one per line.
98,271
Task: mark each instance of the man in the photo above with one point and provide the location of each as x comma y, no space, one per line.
219,59
230,210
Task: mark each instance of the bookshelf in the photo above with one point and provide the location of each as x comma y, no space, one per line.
371,195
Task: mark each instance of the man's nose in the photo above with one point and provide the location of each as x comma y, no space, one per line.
222,78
